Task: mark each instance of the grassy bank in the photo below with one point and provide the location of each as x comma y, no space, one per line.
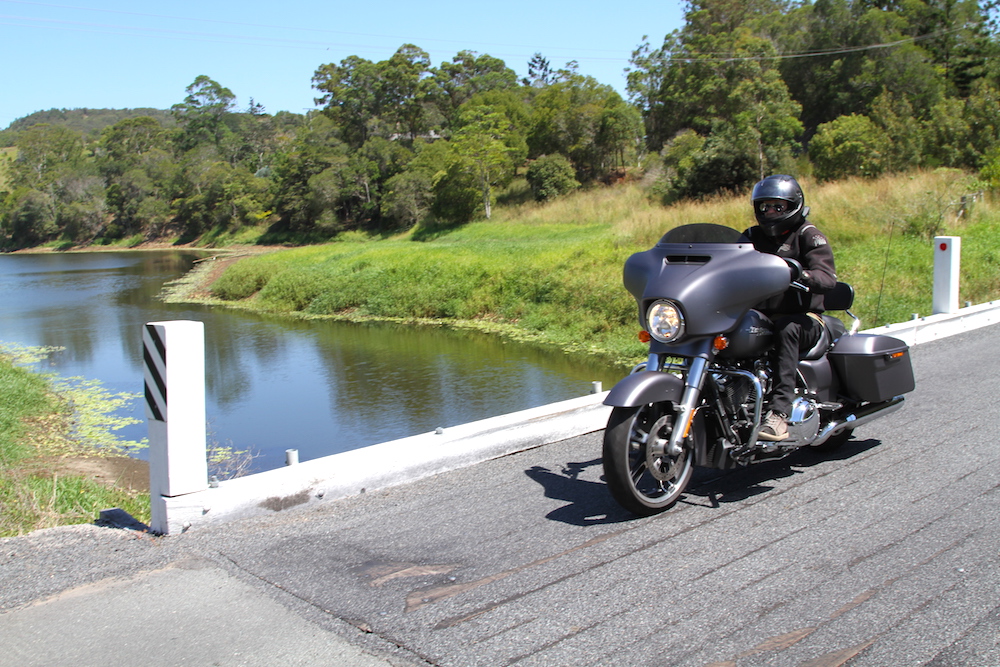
41,437
552,273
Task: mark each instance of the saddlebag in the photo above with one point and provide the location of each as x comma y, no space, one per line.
872,368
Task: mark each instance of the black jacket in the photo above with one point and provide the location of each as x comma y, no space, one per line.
809,247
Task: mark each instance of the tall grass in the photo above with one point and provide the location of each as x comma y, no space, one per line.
552,272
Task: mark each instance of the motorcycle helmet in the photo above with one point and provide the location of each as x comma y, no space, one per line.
783,188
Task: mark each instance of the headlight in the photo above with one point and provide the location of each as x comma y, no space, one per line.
665,321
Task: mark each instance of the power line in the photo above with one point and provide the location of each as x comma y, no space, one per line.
817,54
298,28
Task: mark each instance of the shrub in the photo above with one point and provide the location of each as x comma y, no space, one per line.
550,176
849,146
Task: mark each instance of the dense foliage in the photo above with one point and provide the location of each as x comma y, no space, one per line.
829,88
844,87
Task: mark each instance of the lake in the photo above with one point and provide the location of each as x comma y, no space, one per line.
276,383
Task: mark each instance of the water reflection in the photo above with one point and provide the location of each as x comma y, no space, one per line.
274,383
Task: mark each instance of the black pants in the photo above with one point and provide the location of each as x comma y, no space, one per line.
794,333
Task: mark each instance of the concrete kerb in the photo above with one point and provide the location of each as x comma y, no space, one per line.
409,459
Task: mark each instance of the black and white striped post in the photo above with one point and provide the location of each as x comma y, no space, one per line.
174,375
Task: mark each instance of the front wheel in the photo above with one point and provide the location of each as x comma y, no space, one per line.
641,480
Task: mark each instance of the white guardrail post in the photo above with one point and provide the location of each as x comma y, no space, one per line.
947,262
174,374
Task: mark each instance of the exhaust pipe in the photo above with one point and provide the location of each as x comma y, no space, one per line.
858,418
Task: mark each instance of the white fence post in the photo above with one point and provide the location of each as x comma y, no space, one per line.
174,374
947,262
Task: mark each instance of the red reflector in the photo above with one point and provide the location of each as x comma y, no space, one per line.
721,342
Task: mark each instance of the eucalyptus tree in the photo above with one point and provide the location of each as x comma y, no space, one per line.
486,145
714,86
367,99
316,147
134,157
468,74
54,189
580,118
43,153
201,116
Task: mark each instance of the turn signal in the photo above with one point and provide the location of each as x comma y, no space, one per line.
644,337
721,343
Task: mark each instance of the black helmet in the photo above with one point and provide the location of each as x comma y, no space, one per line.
784,188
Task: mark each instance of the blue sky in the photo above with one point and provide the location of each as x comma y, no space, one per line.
127,54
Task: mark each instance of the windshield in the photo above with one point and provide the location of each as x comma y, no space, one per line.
703,233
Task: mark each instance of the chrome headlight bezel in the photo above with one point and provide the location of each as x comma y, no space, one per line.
665,321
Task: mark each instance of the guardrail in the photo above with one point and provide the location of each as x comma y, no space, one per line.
182,497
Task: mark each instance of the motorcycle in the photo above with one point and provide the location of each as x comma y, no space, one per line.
698,399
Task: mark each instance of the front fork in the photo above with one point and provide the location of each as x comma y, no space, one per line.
686,408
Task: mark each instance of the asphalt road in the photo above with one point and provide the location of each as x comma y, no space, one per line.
884,553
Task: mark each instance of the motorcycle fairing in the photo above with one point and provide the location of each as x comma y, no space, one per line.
714,283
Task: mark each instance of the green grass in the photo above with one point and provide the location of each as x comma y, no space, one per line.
552,273
36,427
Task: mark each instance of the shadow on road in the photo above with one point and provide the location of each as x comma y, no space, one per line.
730,486
590,503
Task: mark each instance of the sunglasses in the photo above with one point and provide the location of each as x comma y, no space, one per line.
777,208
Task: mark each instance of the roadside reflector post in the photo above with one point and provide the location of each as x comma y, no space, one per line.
174,377
947,263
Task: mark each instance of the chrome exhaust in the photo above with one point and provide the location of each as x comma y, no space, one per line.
863,415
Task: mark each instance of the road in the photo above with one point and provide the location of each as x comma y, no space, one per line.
884,553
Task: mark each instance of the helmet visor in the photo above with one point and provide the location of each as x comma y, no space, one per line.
776,206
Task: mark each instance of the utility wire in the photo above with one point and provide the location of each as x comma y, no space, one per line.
285,27
815,54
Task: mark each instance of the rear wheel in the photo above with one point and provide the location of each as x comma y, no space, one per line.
642,477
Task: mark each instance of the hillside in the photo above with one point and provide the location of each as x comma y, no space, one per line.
88,122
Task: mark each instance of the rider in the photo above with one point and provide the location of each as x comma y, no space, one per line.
782,230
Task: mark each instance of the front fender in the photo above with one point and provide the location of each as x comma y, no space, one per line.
645,387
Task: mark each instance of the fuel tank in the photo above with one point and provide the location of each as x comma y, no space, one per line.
751,338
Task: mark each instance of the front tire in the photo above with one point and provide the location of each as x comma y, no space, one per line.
642,483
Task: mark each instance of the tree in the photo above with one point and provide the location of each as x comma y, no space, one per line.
854,52
848,146
466,76
480,142
580,118
367,99
723,85
315,148
29,219
123,144
202,112
403,91
619,134
43,152
540,73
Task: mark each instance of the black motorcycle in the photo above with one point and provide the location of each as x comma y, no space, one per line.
698,399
